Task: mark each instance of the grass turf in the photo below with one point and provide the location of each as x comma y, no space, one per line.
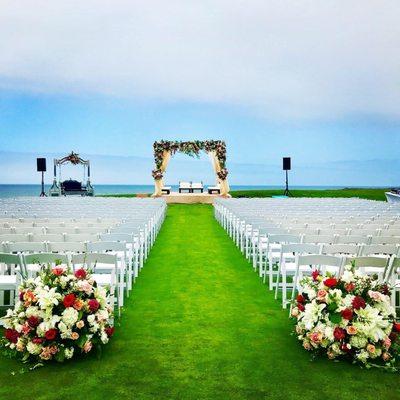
199,325
370,194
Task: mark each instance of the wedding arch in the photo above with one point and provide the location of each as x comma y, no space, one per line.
216,149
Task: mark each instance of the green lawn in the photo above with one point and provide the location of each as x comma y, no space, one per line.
371,194
199,325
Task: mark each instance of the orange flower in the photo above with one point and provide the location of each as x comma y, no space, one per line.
78,304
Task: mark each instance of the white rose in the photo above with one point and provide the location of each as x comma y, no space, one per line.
33,348
70,316
69,352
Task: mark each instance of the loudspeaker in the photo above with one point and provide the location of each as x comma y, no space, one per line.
286,163
41,164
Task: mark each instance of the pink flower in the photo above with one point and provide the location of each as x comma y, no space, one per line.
74,335
80,324
321,295
351,330
376,296
295,312
307,345
387,343
87,346
371,348
386,356
85,286
316,337
58,271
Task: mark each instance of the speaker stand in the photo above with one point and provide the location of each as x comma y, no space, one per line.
287,191
43,194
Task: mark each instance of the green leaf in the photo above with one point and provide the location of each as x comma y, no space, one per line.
335,317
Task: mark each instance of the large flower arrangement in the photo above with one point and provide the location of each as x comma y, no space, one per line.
350,317
192,149
59,314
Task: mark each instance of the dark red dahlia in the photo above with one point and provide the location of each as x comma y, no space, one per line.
339,333
358,302
80,273
33,321
109,331
51,334
347,313
93,305
11,335
69,300
330,282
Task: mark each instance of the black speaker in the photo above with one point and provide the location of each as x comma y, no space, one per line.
286,164
41,164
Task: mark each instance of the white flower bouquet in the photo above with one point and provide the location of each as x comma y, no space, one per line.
59,314
350,317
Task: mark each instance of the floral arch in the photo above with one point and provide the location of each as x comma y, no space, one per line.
216,149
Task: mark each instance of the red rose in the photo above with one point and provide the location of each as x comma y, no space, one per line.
385,290
93,305
315,274
21,296
300,307
347,313
58,271
339,333
51,334
11,335
109,331
37,340
69,300
350,287
396,326
393,336
344,347
358,302
300,298
80,273
33,321
330,282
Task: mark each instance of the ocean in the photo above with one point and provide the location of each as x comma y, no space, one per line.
9,190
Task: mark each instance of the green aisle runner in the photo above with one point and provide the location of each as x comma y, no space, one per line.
199,325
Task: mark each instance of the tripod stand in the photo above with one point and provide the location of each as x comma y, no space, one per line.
43,194
287,192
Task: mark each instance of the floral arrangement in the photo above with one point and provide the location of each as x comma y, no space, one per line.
59,314
222,174
350,317
192,149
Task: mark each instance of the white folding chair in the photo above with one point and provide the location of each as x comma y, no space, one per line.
34,261
12,271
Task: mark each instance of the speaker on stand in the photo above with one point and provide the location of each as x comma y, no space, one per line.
287,166
41,167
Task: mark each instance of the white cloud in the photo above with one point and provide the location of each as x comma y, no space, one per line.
306,58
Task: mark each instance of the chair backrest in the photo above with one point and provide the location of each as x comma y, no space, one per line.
284,238
90,259
60,230
337,249
197,185
45,258
301,248
385,240
13,260
15,237
387,249
185,185
320,260
60,247
80,237
353,239
319,239
363,262
106,246
27,247
117,237
51,237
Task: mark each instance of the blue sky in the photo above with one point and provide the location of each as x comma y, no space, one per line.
252,76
